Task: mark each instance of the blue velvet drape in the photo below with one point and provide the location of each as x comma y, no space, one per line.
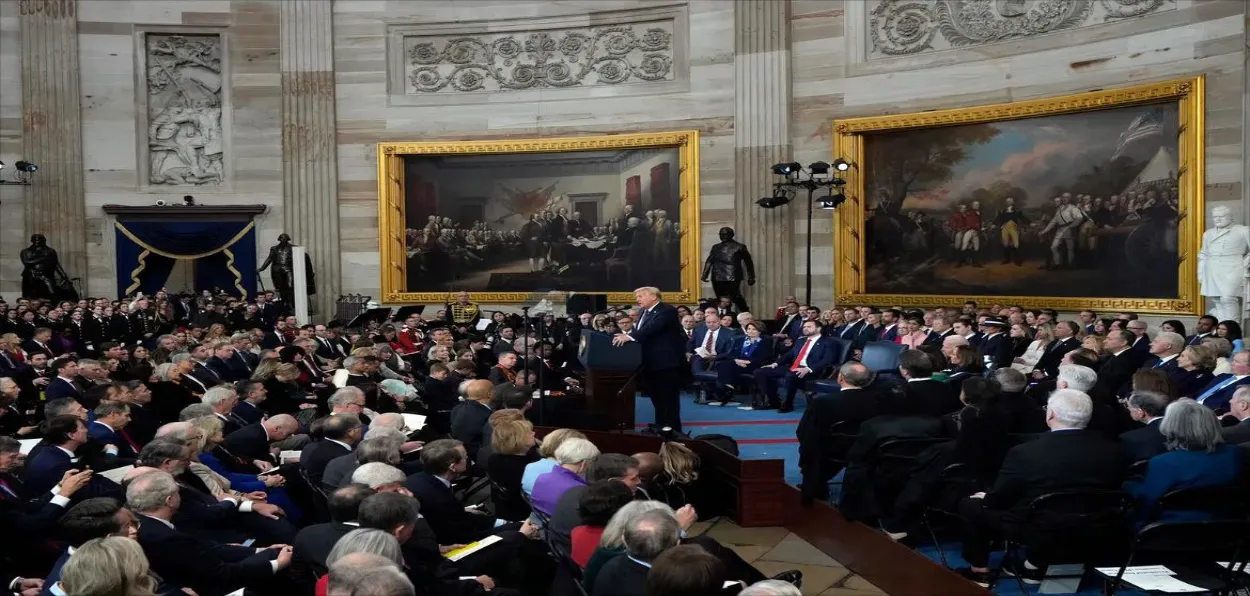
224,255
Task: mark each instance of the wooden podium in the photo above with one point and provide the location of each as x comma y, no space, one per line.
610,381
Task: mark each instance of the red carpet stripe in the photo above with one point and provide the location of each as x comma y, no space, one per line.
765,441
729,422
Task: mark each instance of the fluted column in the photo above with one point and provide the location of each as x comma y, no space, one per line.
309,157
52,128
761,139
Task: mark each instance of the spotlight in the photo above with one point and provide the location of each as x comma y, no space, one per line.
831,201
819,167
25,166
841,165
787,169
780,197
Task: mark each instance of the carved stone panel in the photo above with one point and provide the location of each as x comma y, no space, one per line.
907,27
185,140
605,53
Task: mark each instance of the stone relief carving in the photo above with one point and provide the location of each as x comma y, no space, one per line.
184,110
555,58
904,27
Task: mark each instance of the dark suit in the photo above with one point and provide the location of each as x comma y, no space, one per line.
1053,356
46,464
888,333
1218,400
1196,339
1143,443
228,370
101,433
723,346
49,349
1115,376
208,376
850,330
1238,433
1055,461
663,343
759,354
853,406
314,458
819,357
208,568
930,398
620,577
248,412
468,421
312,547
23,515
997,348
936,339
58,388
1142,345
250,442
439,505
791,326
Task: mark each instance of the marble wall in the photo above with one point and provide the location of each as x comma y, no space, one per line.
12,198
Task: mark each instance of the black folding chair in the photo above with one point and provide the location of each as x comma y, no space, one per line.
951,473
1195,547
1223,501
1075,526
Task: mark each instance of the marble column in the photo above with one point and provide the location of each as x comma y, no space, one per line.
309,157
761,139
52,128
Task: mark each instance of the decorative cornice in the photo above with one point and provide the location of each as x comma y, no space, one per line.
182,212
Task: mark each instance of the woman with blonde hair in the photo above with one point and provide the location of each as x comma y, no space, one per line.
283,393
112,566
547,451
1042,337
207,465
1223,349
1198,361
512,450
216,332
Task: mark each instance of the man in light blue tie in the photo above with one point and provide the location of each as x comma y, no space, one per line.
1219,391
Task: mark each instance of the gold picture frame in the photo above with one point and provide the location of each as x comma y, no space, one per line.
392,217
851,267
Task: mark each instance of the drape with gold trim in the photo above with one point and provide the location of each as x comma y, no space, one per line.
224,255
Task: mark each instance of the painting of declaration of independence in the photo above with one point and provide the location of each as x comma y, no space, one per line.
1081,204
575,221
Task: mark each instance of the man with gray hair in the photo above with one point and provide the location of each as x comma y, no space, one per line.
366,574
380,445
348,401
256,442
1239,410
1069,457
223,399
853,403
646,537
380,477
1145,407
215,568
1165,350
771,587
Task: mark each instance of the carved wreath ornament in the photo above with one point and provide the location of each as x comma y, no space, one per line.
901,27
599,56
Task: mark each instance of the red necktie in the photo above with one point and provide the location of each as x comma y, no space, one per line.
707,344
5,485
798,360
129,441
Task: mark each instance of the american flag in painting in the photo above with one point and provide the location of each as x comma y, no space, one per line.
527,202
1145,125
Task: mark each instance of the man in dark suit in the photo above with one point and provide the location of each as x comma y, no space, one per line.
252,442
1143,443
225,365
1069,457
1065,341
313,544
444,461
941,329
1141,341
200,355
468,418
107,429
183,559
251,395
646,538
41,343
339,435
806,361
964,328
23,512
1204,329
851,329
1115,376
65,381
790,328
925,396
663,344
853,404
1239,410
1165,349
995,347
709,344
889,324
1219,391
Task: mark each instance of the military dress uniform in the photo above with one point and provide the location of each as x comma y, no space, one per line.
464,315
1010,223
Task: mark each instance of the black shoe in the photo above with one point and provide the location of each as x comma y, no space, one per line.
793,577
985,580
786,409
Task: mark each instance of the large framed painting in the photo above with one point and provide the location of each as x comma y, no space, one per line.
511,220
1084,201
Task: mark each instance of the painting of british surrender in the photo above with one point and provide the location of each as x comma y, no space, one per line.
504,220
1073,202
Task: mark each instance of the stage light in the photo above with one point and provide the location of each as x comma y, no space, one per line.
787,169
780,197
841,165
831,201
819,167
25,166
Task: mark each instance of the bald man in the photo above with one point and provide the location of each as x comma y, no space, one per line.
469,417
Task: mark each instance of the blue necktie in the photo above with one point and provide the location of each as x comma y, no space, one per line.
1216,389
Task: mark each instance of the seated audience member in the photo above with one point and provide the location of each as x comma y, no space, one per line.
350,548
512,446
1146,408
547,451
645,538
605,466
1154,380
112,565
498,416
367,574
1196,457
1231,331
771,587
751,350
573,457
986,425
925,396
965,362
685,570
675,479
223,399
809,358
339,435
313,544
253,443
598,503
26,513
108,428
1066,458
380,445
853,404
1222,349
184,560
1219,391
468,418
1199,363
63,439
380,477
1115,375
1238,411
89,520
445,460
203,435
394,395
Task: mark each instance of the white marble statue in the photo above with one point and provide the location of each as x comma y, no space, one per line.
184,115
1224,265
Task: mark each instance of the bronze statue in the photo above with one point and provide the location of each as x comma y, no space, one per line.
725,265
283,274
42,275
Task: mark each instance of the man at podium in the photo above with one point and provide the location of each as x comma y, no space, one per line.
663,342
